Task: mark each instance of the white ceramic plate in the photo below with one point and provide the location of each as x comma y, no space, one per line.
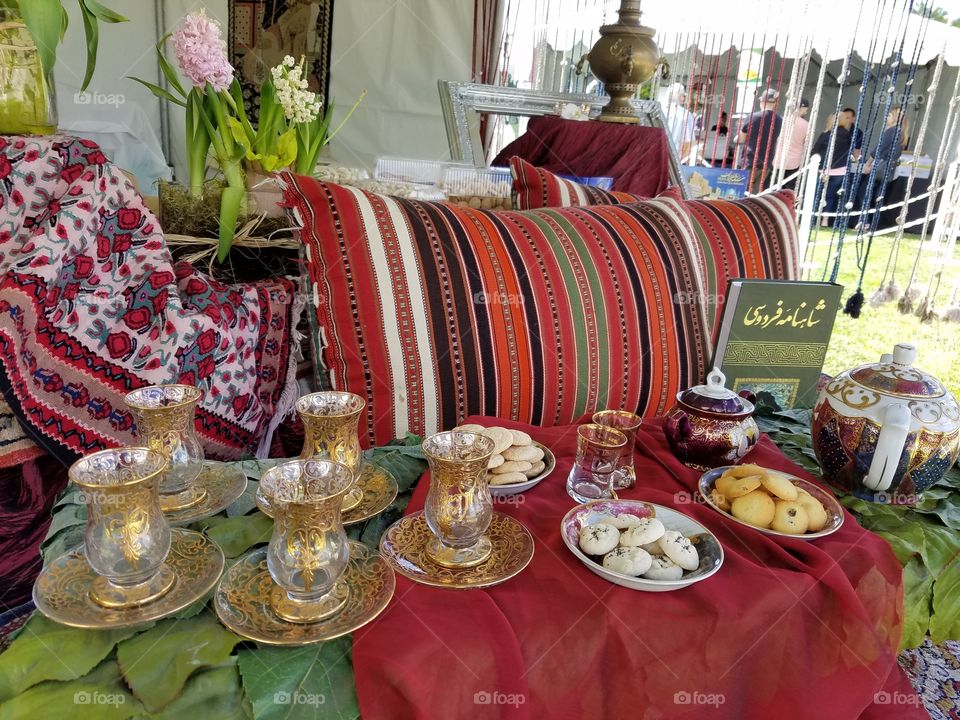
829,502
550,464
708,547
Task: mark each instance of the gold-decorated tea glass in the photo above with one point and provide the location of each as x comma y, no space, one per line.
308,550
625,476
165,422
127,537
598,455
330,433
458,508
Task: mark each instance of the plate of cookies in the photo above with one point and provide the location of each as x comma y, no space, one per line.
773,502
518,462
640,545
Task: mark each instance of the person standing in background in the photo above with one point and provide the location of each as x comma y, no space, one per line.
833,168
680,122
856,134
789,154
759,137
883,164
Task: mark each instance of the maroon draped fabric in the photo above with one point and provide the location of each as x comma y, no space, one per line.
637,158
786,629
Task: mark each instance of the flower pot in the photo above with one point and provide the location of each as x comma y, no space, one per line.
28,105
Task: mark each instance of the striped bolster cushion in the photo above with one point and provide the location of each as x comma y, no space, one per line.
754,237
433,312
538,188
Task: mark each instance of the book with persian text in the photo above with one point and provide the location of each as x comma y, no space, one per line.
773,339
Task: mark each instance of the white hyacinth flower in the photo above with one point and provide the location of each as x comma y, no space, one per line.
299,104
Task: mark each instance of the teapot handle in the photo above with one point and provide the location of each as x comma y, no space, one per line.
886,456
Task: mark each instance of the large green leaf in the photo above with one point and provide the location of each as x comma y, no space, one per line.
945,618
104,14
46,650
91,30
211,694
44,19
314,681
157,663
236,535
101,694
917,596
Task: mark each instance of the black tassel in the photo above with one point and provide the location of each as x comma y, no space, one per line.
854,304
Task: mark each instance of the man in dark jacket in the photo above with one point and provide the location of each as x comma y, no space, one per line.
759,137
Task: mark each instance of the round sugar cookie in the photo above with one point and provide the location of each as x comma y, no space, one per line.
502,439
756,508
780,486
628,561
679,549
646,531
528,453
733,487
745,470
720,500
506,478
470,427
598,538
495,461
790,517
663,568
520,438
817,517
538,467
511,466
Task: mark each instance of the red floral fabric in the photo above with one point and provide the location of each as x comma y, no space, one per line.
91,307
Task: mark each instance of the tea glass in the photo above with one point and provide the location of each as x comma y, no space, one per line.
598,456
309,550
458,508
127,537
165,422
330,433
628,423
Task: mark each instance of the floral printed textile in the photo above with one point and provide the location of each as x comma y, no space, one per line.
91,307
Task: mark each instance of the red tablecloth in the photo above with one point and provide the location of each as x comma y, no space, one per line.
786,629
637,158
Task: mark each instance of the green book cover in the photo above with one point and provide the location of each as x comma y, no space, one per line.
773,339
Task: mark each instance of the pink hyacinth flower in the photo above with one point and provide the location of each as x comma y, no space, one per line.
201,52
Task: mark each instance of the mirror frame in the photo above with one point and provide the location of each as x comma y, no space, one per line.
462,103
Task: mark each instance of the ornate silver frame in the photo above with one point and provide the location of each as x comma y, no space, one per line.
462,102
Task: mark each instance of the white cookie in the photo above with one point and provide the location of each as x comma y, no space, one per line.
679,549
663,568
623,521
511,466
470,427
628,560
598,539
506,478
529,453
520,438
646,531
538,467
502,439
495,461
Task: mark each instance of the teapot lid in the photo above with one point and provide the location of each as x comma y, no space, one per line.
895,375
714,397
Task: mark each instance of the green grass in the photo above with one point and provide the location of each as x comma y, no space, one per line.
878,329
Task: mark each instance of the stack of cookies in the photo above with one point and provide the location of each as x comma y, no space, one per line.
515,457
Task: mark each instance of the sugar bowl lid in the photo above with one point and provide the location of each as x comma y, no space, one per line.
714,397
895,375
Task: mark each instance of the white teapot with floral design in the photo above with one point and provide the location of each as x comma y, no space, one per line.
886,432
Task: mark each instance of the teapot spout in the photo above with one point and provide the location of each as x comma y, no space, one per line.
886,457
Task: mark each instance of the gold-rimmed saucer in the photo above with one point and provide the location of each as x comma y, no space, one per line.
378,488
404,545
63,590
242,600
222,484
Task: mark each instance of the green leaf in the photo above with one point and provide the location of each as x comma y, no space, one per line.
100,694
236,535
91,31
230,202
160,92
46,650
314,681
917,594
44,20
246,502
945,619
237,131
104,14
212,694
157,663
168,72
907,541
